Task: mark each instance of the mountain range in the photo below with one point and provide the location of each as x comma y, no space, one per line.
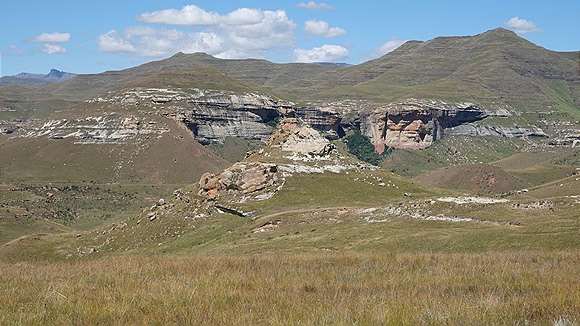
24,78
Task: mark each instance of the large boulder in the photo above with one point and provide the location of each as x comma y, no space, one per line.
295,136
243,178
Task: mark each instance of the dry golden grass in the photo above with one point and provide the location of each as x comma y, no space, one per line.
344,288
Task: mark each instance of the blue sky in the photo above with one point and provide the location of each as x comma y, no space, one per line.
95,36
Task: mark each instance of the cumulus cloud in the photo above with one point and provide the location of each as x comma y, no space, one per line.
522,26
311,5
53,49
387,47
321,28
241,33
113,43
325,53
50,38
244,16
188,15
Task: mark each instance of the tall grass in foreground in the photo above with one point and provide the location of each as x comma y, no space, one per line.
345,288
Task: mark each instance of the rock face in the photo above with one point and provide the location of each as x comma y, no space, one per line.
103,129
416,123
213,115
298,137
243,178
473,130
324,119
252,117
295,147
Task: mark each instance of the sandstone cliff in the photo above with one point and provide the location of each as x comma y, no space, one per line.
213,115
416,123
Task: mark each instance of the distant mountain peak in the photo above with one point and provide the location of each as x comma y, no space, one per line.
53,76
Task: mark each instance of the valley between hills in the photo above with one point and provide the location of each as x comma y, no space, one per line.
438,184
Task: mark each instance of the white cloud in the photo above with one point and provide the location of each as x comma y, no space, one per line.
244,16
51,38
112,42
188,15
53,49
387,47
522,26
321,28
325,53
311,5
241,33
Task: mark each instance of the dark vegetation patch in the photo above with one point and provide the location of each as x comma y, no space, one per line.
361,147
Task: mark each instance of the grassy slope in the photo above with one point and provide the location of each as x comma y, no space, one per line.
451,151
482,179
537,168
172,158
493,67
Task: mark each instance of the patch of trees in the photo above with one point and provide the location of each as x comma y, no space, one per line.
360,146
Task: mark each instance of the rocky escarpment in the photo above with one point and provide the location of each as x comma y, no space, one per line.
213,115
109,128
473,130
415,124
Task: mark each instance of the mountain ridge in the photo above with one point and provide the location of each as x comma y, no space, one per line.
53,76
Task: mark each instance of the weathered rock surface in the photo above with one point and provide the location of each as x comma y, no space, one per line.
213,115
104,129
326,120
470,129
301,148
416,123
242,178
299,138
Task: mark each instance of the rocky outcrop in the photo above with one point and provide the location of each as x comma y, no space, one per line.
298,137
243,178
416,123
104,129
295,147
253,119
7,129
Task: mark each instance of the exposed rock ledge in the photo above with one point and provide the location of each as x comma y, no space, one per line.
213,115
416,123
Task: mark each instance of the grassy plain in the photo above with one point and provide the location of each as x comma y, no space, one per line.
313,289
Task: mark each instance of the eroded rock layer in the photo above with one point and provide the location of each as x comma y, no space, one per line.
416,123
